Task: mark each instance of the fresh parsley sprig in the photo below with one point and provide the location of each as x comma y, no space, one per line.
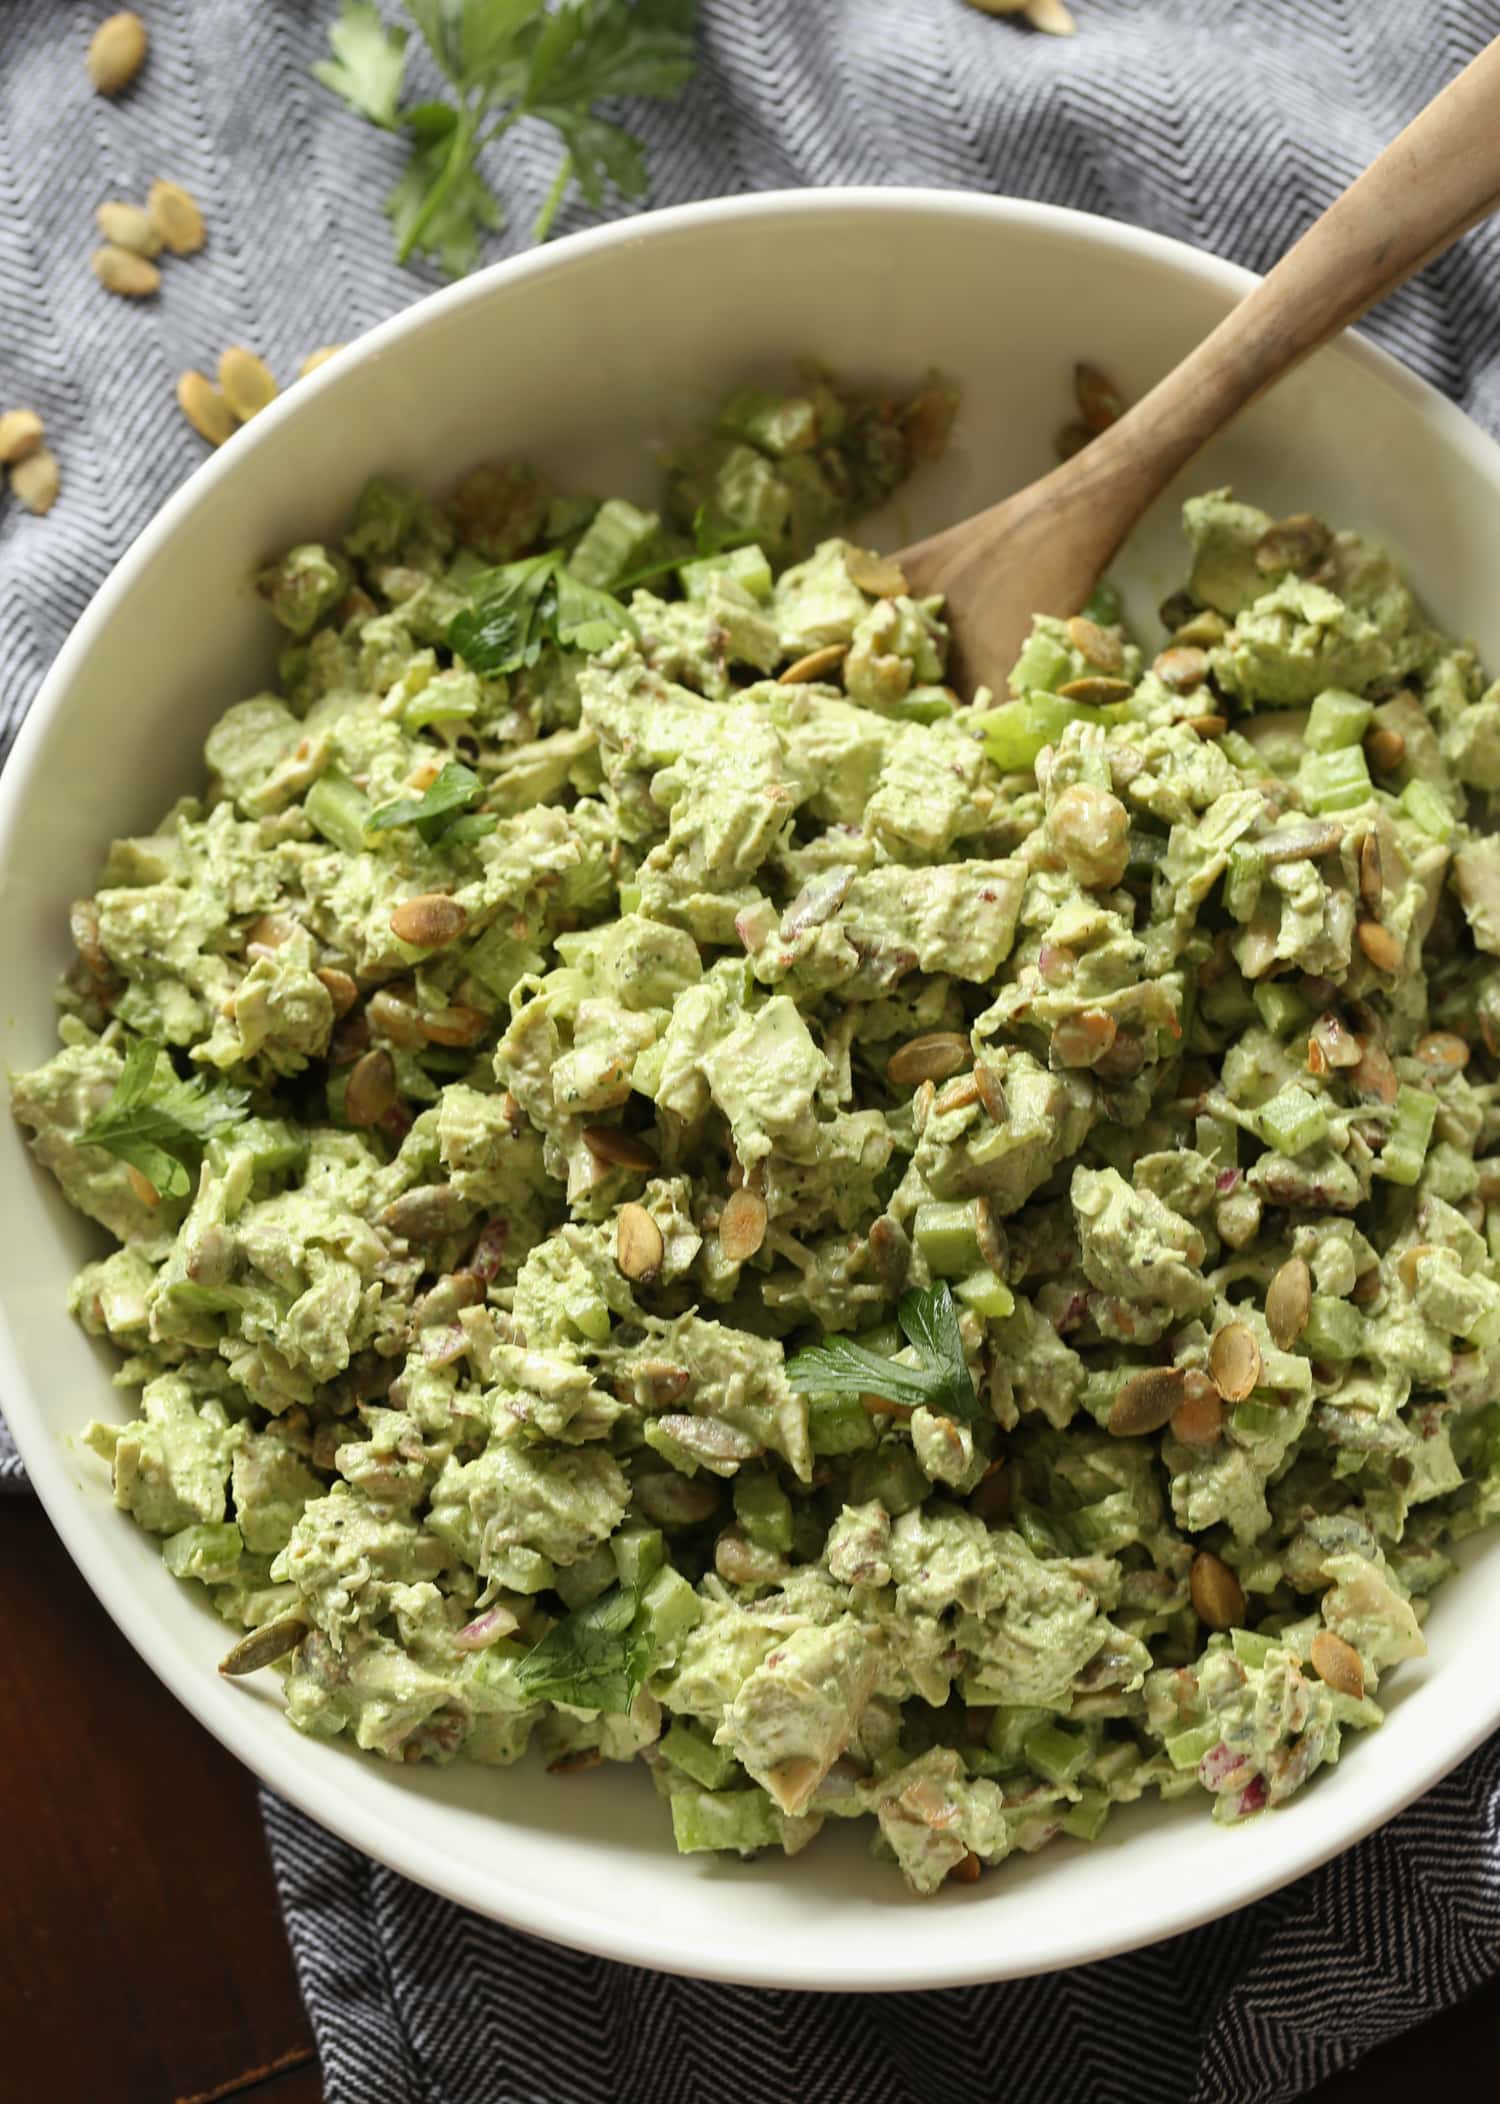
161,1125
443,814
929,1322
551,60
596,1658
515,610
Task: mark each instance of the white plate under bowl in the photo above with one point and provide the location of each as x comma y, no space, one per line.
584,358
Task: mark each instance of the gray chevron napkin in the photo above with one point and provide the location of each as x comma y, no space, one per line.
1225,122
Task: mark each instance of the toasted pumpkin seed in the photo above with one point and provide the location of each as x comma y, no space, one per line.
116,53
341,989
35,481
1442,1049
991,1093
957,1095
264,1645
742,1225
121,271
429,921
1096,693
614,1148
1204,628
246,381
1234,1361
1175,609
1182,668
1097,644
129,226
427,1213
205,408
21,432
455,1025
1337,1664
879,575
1080,1040
1374,1076
1296,543
931,1057
1384,950
394,1013
176,216
814,665
318,357
1217,1595
1147,1400
1100,402
1288,1299
1385,749
639,1247
1208,726
371,1089
1198,1419
1371,873
141,1184
1366,1287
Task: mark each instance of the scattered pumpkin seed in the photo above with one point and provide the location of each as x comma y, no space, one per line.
1198,1419
991,1093
639,1247
371,1089
205,408
264,1645
116,53
1296,543
458,1024
1208,726
1052,17
1442,1049
957,1095
1384,950
1234,1361
1100,402
742,1225
1385,749
141,1184
1204,628
614,1148
931,1057
1217,1595
393,1011
129,226
341,989
1096,692
1288,1299
176,217
1177,609
430,921
21,432
1080,1040
318,357
121,271
1375,1076
1099,645
814,665
1371,873
879,575
1147,1400
1337,1664
1182,669
1366,1287
246,382
426,1214
36,480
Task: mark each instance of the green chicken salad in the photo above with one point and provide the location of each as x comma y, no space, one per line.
680,1192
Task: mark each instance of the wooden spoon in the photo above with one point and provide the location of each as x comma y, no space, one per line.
1042,550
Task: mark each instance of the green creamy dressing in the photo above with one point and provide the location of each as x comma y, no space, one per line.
460,1351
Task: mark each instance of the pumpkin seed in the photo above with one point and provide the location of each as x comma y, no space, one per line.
1442,1049
1384,950
814,665
639,1247
1385,749
1218,1598
1097,644
1208,726
427,1213
1182,668
1146,1401
177,218
394,1013
614,1148
1096,693
141,1184
1371,873
1297,543
129,226
1288,1298
246,382
429,921
958,1095
36,480
1079,1040
341,989
1204,628
1366,1287
931,1057
1198,1419
1100,402
991,1093
879,575
121,271
1374,1076
1177,609
996,1494
1301,843
264,1645
20,433
371,1089
967,1870
205,408
455,1025
116,53
1234,1361
318,357
1337,1664
742,1225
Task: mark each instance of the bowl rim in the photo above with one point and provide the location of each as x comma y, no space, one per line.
1160,1912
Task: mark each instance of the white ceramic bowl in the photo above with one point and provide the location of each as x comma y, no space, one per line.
584,357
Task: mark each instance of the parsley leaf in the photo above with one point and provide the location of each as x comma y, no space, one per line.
436,813
597,1657
516,609
552,60
160,1126
368,63
929,1322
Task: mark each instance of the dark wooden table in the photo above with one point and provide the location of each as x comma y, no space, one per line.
142,1957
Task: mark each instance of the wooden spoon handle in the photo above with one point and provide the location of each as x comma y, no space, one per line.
1437,179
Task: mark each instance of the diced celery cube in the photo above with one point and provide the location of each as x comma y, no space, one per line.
1405,1150
1085,1820
892,1474
579,1583
670,1606
208,1551
986,1295
695,1753
1281,1008
1249,1647
1055,1753
1185,1749
839,1424
639,1553
1292,1121
944,1231
747,566
764,1510
1428,808
1333,1329
1336,719
1243,879
617,541
1335,781
1238,750
742,1820
1009,1729
1253,1421
337,810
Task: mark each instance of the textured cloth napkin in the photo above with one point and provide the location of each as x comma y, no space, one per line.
1226,122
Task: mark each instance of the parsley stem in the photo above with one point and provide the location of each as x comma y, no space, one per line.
553,199
460,154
